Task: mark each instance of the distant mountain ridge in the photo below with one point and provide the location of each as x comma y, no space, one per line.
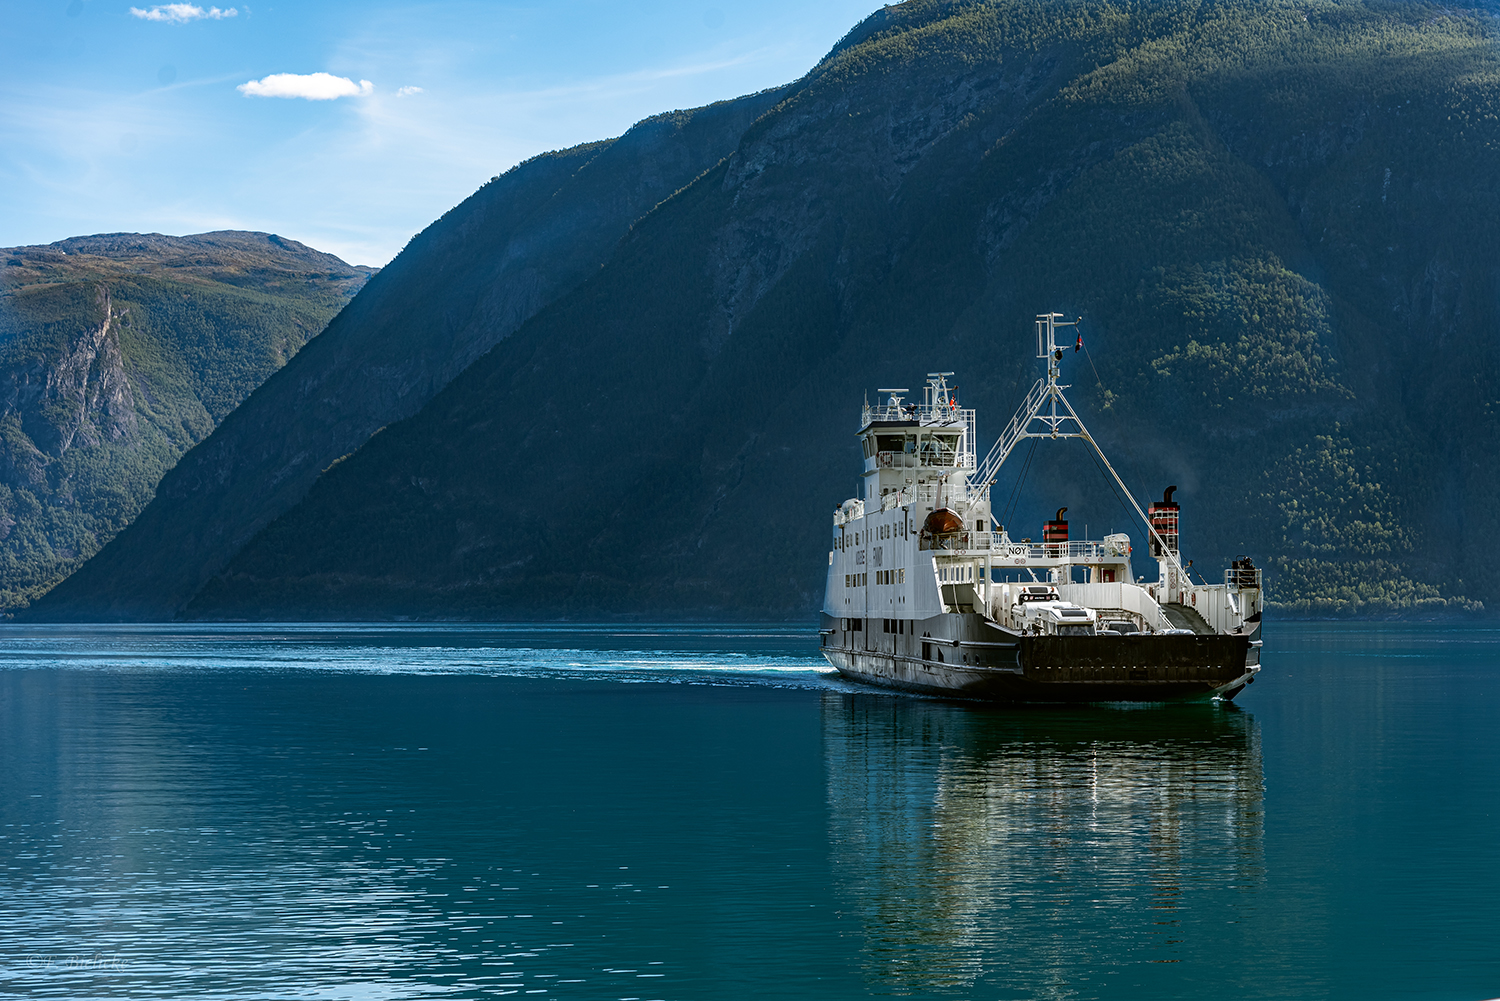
120,351
460,286
1277,218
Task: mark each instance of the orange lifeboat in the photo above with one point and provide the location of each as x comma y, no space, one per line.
943,521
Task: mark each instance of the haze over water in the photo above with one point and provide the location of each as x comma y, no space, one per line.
637,812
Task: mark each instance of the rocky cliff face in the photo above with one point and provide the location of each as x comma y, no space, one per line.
1243,199
117,353
83,394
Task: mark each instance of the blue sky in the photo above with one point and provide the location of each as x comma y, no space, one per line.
119,116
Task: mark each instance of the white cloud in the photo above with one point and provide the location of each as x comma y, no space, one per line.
181,13
408,91
311,86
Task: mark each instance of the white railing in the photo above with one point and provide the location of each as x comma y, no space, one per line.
1236,577
1034,552
926,415
935,459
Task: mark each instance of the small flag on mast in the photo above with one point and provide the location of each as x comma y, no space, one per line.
1079,346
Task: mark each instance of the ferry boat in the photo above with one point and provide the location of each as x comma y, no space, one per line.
926,593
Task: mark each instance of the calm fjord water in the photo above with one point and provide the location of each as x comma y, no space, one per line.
396,812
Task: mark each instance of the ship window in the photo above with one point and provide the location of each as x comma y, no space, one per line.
889,443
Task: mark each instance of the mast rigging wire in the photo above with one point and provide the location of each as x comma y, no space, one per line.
1015,492
1091,364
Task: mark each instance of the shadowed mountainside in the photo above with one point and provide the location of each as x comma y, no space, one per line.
466,282
1278,218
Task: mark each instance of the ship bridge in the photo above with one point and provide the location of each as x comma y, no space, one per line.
912,451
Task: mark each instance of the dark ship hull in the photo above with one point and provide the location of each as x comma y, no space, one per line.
966,656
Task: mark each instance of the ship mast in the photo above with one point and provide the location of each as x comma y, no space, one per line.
1046,413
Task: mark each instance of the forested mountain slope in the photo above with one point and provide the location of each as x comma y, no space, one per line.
119,352
1279,220
461,285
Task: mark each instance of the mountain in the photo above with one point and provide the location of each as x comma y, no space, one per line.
465,283
118,353
1278,220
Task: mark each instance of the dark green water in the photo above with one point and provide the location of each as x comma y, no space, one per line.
370,812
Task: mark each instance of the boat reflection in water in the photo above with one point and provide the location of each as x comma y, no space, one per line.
1055,853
